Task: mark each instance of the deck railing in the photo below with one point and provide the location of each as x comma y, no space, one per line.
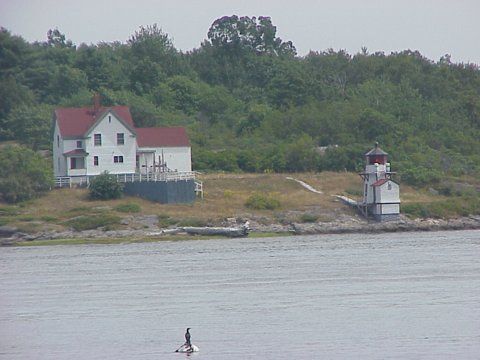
69,181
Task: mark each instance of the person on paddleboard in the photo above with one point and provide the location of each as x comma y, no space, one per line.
187,338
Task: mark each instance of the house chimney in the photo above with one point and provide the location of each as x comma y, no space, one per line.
96,103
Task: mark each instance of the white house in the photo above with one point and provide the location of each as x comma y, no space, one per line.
163,149
381,195
88,141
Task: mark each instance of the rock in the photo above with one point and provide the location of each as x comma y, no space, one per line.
7,231
149,221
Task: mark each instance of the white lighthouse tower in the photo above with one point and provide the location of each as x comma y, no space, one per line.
381,195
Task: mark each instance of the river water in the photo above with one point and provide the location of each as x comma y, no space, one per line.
388,296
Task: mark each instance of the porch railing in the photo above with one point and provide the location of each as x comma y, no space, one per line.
69,181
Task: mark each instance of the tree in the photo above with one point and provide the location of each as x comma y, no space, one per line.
101,64
13,52
25,174
300,155
12,95
31,125
56,39
152,44
237,34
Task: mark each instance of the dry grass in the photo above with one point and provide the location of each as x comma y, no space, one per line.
225,196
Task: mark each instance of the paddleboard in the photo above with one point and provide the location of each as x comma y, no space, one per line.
187,349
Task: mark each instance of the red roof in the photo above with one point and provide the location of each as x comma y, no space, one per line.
162,137
75,122
380,182
80,152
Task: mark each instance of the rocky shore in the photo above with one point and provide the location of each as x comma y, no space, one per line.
11,235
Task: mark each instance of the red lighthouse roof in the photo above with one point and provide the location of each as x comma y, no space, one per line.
376,156
376,151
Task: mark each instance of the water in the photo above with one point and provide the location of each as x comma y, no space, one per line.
389,296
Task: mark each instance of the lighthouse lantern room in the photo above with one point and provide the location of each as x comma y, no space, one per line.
381,195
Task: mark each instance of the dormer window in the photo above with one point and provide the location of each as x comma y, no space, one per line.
79,144
97,139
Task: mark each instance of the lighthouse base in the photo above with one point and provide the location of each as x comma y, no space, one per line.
386,217
380,212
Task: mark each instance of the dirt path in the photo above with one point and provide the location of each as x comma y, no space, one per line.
305,185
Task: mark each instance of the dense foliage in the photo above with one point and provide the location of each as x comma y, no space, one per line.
24,174
105,187
251,104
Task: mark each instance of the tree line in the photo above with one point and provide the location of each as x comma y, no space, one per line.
250,103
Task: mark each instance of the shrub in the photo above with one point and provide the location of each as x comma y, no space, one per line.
459,206
5,211
88,222
193,222
420,176
354,191
24,175
105,187
416,210
228,194
308,218
128,208
259,201
165,220
48,218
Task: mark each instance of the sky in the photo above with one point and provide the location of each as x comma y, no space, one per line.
433,27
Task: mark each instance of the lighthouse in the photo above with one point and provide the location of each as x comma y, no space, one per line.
381,195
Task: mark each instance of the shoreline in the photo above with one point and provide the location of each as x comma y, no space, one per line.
350,226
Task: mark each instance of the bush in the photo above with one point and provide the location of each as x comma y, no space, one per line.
24,174
195,222
105,187
128,208
308,218
165,220
8,211
416,210
420,176
259,201
88,222
354,191
454,207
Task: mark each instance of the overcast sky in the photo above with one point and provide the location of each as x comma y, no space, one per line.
434,27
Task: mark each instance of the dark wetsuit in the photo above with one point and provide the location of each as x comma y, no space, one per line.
187,338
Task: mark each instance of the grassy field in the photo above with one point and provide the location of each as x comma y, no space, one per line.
225,196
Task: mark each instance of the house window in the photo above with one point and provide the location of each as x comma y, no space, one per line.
109,118
118,159
77,163
79,144
97,139
120,139
95,160
58,141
